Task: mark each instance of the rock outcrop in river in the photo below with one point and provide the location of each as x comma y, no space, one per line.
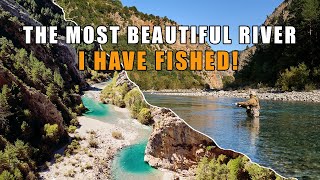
176,146
173,145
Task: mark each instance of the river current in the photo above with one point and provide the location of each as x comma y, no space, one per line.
284,138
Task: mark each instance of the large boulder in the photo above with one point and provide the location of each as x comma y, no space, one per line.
174,145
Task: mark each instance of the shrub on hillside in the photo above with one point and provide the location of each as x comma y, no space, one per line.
235,167
98,77
31,176
93,143
135,102
72,129
310,87
51,132
118,101
113,94
107,93
122,90
294,78
74,122
52,92
239,168
26,130
15,161
6,175
209,169
79,109
58,157
257,172
72,148
119,94
144,116
227,81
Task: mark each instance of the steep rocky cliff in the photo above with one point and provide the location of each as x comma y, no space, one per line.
53,56
173,145
59,58
176,146
39,83
40,105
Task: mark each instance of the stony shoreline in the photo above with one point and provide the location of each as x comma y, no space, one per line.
90,162
95,162
313,96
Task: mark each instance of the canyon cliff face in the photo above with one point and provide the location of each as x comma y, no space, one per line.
38,103
59,59
175,146
212,78
52,56
39,89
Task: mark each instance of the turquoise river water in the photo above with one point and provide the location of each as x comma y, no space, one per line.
284,138
129,162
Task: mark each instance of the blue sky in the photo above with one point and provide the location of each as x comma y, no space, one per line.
211,12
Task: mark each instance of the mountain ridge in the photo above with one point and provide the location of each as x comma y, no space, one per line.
117,14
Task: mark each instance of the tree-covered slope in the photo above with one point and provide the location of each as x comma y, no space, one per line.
112,12
288,66
39,89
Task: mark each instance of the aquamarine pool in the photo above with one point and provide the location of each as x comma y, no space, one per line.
129,162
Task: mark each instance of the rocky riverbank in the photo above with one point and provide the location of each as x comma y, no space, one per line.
312,96
94,145
92,158
175,146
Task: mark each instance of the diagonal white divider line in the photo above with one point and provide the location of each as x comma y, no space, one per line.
70,20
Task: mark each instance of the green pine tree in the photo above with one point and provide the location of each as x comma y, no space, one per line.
310,12
4,108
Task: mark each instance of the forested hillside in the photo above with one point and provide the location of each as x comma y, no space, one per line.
40,84
112,12
288,67
39,89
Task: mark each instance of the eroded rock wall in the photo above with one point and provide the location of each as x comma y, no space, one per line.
176,146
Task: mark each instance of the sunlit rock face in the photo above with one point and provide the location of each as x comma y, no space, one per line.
176,146
55,57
